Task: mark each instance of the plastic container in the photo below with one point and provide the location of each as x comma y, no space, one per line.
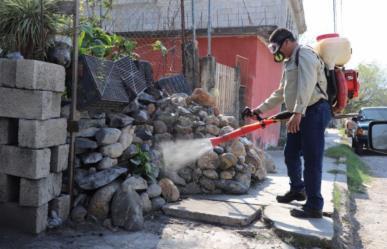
333,49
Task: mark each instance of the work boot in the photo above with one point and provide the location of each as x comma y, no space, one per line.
306,213
292,195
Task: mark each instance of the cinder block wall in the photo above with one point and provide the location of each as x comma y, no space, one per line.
33,149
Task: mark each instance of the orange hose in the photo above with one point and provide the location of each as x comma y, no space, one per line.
241,131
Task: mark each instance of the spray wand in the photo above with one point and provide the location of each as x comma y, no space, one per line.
262,123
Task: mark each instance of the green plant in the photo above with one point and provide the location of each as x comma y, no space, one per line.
357,171
23,29
96,42
143,165
336,198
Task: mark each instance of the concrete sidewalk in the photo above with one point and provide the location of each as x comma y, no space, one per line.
264,195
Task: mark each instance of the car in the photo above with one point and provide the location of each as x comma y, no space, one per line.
358,129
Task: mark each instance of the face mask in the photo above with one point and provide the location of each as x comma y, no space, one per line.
279,57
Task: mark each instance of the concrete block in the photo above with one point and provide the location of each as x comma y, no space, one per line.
27,219
32,164
9,188
8,131
17,103
61,205
40,75
7,72
59,158
41,134
34,193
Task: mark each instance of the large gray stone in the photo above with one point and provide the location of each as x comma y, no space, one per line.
35,105
146,203
41,134
125,140
154,190
91,158
85,123
158,203
160,127
136,182
32,164
59,158
107,163
190,189
112,150
85,144
232,187
99,179
215,212
211,174
99,205
107,136
228,160
78,214
28,219
89,132
9,188
120,120
126,209
39,75
208,161
237,148
61,205
34,193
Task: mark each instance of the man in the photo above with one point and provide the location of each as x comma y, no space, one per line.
303,89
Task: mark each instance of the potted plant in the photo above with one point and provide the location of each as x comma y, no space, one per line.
25,28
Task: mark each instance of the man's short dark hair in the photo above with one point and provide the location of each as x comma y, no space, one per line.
280,35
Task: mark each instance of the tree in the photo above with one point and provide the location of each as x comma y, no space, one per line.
373,87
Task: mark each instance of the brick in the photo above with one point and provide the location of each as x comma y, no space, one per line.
40,75
59,158
27,219
7,72
61,205
32,164
17,103
38,134
8,131
9,188
34,193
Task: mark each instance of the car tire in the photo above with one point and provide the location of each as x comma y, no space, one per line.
357,147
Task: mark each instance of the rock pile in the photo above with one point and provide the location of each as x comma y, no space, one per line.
120,173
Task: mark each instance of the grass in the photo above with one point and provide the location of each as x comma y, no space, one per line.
357,171
342,132
336,198
336,171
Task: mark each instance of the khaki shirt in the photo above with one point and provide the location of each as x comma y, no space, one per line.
298,86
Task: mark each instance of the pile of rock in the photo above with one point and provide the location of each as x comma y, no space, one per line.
119,159
228,168
116,167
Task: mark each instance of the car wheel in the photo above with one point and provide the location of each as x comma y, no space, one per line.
357,147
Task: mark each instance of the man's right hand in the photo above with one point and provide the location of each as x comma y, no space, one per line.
247,112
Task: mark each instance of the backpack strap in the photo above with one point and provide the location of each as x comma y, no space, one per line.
297,61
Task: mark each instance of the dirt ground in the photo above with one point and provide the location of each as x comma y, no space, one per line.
160,232
371,207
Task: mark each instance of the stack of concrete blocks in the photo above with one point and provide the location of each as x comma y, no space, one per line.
33,149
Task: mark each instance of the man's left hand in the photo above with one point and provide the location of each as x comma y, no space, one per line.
294,123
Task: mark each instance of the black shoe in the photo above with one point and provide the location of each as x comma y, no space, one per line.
292,196
306,213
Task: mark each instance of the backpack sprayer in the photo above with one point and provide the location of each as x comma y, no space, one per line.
262,123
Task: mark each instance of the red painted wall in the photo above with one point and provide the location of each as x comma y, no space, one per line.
263,74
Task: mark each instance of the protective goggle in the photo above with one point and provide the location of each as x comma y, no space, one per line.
274,47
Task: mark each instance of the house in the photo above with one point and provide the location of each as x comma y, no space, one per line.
240,32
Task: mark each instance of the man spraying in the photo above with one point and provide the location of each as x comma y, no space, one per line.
303,90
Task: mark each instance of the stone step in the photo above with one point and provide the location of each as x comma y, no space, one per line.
307,231
214,212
